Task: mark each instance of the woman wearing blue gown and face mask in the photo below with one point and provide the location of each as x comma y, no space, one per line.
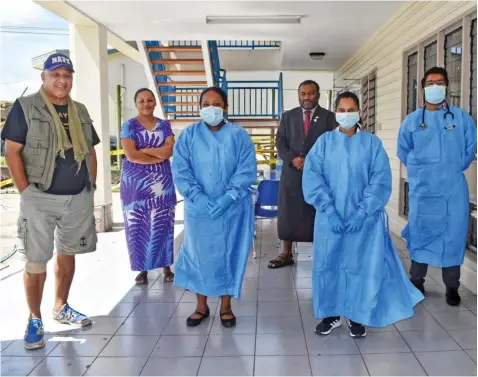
357,273
214,165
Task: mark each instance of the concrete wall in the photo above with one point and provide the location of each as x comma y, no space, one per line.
250,60
134,78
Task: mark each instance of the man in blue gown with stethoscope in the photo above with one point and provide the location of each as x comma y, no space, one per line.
437,143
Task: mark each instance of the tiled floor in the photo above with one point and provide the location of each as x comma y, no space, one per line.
144,331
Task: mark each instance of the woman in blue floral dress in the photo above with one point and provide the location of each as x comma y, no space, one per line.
147,191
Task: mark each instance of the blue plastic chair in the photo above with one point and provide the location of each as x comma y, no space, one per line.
267,199
266,202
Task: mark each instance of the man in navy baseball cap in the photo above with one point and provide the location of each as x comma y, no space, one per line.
66,175
58,60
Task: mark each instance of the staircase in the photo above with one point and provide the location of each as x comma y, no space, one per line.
180,75
181,70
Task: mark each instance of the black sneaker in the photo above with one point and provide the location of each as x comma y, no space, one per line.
356,330
452,297
419,285
327,325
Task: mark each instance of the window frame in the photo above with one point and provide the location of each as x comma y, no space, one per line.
458,30
425,45
472,93
366,103
408,82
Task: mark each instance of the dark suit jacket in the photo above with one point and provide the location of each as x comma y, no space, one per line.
296,217
291,141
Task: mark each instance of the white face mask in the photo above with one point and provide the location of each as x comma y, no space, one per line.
212,115
347,120
435,94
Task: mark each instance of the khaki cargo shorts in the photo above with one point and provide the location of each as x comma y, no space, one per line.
64,221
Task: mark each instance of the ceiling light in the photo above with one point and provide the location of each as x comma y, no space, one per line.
222,20
317,55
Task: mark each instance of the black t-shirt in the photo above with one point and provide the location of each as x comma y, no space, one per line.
67,180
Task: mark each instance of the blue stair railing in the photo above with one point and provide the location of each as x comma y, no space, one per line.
255,98
163,90
247,99
281,97
223,80
215,65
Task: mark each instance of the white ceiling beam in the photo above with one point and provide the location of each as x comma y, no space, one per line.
67,12
123,47
206,55
74,16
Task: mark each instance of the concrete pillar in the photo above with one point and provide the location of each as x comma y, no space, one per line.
89,53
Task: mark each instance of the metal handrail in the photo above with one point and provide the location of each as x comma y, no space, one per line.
281,96
216,68
161,78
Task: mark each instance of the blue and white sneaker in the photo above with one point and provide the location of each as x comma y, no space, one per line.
70,316
33,338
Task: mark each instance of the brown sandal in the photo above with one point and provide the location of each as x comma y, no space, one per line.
281,261
142,278
169,277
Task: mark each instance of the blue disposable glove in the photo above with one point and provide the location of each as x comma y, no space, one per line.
355,222
202,202
335,223
220,206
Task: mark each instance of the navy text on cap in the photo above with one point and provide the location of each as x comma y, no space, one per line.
58,60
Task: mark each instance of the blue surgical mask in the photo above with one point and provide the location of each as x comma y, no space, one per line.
435,94
347,120
212,115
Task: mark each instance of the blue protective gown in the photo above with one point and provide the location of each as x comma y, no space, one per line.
355,275
213,257
438,192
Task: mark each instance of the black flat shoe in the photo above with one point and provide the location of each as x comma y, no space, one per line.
452,297
230,322
193,322
419,285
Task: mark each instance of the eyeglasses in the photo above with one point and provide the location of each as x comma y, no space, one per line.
439,83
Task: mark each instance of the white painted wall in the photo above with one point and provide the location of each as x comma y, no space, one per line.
134,78
250,60
384,52
291,81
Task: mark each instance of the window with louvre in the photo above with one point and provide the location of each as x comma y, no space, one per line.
368,103
412,81
453,58
473,70
430,56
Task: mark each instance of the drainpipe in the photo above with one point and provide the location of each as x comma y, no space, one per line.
118,122
120,114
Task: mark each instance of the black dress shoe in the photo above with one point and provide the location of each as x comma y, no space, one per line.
193,322
452,297
229,322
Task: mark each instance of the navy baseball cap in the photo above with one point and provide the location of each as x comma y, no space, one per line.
58,60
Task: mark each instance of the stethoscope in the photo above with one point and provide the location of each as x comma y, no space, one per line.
447,127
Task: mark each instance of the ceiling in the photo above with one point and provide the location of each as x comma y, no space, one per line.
337,28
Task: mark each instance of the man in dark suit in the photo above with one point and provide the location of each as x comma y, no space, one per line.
298,131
